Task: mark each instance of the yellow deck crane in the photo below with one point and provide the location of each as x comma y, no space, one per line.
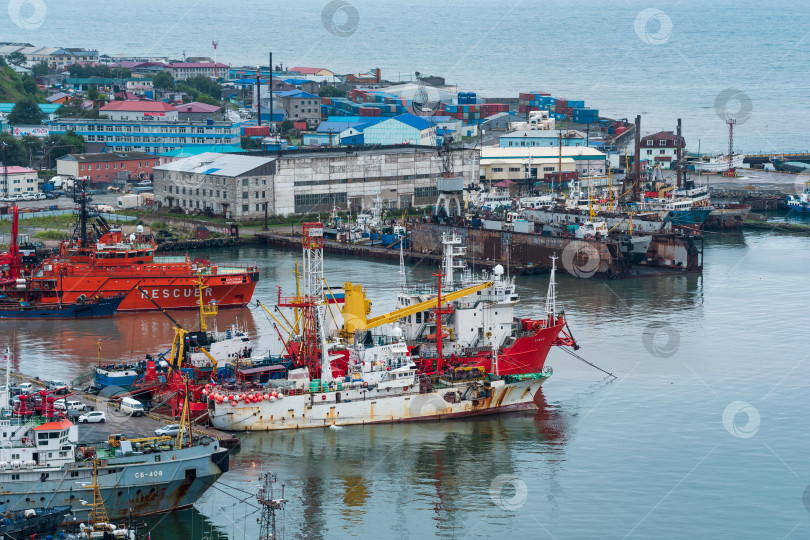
356,307
178,342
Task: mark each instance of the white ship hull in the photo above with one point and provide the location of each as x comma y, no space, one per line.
372,406
717,163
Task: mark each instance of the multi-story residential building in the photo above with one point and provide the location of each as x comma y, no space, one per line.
139,110
299,181
139,84
149,135
662,148
184,70
301,106
57,57
20,180
108,167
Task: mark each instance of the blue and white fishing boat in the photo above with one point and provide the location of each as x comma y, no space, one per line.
800,202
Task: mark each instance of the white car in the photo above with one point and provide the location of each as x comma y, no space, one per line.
93,417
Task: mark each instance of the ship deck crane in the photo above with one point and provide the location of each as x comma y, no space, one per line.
180,332
356,307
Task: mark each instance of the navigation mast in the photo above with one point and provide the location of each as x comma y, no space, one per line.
269,503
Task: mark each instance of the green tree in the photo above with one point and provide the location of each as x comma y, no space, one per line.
205,85
41,69
26,112
61,145
249,143
29,85
331,91
163,80
286,126
205,98
12,151
92,93
16,58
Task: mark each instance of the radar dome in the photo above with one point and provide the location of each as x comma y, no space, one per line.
498,270
139,229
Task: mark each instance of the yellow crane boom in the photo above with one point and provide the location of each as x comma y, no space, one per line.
356,307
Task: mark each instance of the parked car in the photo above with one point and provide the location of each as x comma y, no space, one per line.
170,430
26,388
73,415
64,405
93,417
59,387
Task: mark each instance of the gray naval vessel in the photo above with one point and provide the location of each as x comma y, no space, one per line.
42,464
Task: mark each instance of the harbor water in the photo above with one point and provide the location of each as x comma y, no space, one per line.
700,434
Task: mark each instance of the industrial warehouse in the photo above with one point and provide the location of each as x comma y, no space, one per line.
301,181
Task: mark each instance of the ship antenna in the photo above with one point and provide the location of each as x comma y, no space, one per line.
269,504
551,297
403,280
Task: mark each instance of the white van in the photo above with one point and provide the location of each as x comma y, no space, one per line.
26,387
131,406
76,406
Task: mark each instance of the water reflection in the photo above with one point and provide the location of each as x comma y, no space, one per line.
65,349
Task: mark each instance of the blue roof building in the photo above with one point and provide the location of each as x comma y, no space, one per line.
402,129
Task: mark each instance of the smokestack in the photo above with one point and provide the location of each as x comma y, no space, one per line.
377,75
259,94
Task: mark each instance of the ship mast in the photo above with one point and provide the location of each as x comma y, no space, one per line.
403,280
269,504
551,296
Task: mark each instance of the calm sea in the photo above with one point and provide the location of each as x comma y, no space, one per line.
702,433
700,61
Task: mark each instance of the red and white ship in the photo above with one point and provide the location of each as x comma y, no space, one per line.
442,354
106,262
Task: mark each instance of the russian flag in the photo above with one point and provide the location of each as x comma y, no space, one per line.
334,296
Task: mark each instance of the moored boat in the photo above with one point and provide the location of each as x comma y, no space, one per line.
715,163
727,216
454,354
81,309
107,262
41,460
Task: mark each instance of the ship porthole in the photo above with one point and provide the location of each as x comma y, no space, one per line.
42,499
120,493
138,492
152,490
27,499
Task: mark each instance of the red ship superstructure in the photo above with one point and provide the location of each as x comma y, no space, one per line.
106,262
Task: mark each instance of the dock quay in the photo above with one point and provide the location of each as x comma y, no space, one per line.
777,226
365,251
117,422
757,199
523,253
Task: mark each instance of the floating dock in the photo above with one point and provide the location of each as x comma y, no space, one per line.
525,253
